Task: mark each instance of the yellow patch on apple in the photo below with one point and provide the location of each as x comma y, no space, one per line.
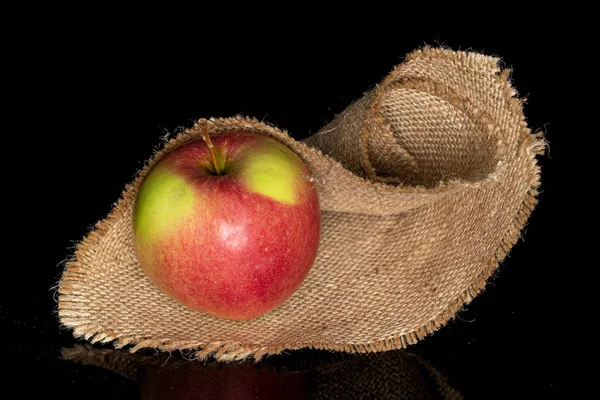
273,172
164,198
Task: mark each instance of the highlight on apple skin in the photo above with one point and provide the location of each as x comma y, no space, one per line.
235,239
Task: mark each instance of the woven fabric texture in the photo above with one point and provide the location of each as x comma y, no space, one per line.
425,184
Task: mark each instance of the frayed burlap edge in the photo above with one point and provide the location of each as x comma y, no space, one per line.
74,317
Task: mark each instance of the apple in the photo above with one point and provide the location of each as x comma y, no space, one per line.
228,225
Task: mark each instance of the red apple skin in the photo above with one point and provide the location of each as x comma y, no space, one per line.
235,245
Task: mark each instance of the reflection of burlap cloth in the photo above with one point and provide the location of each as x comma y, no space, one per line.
392,375
425,184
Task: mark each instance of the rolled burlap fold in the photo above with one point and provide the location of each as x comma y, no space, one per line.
425,184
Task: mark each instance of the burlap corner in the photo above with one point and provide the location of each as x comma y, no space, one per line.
425,184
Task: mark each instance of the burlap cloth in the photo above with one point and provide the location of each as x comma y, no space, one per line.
425,184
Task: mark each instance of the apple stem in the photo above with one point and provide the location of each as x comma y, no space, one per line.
211,148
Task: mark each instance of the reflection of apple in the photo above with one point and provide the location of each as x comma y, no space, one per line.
301,374
243,381
232,232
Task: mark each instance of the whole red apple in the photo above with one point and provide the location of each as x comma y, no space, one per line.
231,232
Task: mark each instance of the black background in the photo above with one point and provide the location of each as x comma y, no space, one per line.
92,104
